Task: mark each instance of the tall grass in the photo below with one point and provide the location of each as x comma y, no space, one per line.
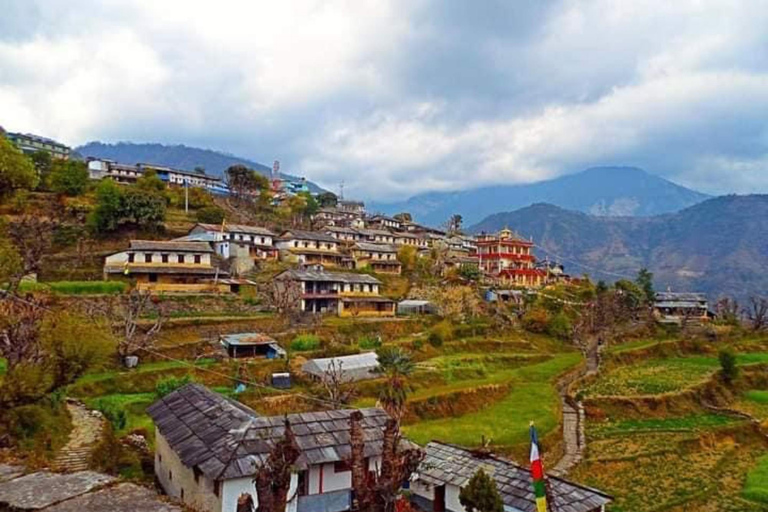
305,342
76,287
756,485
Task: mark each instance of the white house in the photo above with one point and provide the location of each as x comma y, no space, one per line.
258,241
208,449
446,469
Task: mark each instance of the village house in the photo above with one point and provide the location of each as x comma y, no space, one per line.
309,248
208,449
251,344
447,468
678,307
405,238
381,236
341,293
258,241
329,216
343,234
460,261
29,143
508,258
167,266
382,222
356,207
381,258
99,169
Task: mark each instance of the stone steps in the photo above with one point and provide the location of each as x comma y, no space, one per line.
87,428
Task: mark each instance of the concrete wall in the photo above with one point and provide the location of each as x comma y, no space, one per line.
173,258
174,477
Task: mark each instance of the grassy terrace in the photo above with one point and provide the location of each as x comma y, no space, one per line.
532,397
656,376
756,485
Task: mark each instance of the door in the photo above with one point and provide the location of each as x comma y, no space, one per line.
439,503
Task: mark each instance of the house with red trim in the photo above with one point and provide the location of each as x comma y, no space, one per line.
507,257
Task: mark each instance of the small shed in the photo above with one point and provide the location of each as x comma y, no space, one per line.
416,307
251,344
281,380
353,368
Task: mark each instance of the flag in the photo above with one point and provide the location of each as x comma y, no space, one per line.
537,473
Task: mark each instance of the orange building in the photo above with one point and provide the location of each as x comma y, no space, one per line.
508,258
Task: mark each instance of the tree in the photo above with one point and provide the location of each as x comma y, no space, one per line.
273,478
757,312
311,205
335,382
327,200
480,494
210,215
378,491
150,182
454,223
125,313
69,177
143,209
107,214
243,181
407,256
283,295
10,261
31,236
644,281
43,163
728,366
469,272
16,170
728,311
396,365
403,217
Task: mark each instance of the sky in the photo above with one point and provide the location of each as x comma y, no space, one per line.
400,97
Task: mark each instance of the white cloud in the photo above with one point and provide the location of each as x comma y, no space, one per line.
404,96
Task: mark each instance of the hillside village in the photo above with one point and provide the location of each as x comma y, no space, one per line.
170,341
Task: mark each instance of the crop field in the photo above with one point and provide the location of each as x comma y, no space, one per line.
657,376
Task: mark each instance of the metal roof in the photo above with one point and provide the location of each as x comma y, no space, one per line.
169,245
236,228
448,464
367,246
680,296
353,367
247,338
312,274
297,234
226,439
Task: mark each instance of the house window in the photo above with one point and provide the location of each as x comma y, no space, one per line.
342,466
181,258
197,258
152,278
217,487
164,258
131,257
197,474
147,258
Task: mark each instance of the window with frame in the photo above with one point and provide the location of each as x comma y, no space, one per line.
164,258
131,257
148,258
198,258
181,258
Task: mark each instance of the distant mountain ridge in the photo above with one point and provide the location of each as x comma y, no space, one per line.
605,191
719,246
177,156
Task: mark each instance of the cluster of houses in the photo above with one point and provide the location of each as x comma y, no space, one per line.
208,449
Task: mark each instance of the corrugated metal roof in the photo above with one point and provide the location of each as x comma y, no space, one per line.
169,245
313,274
353,367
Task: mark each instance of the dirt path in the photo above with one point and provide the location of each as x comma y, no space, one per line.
87,427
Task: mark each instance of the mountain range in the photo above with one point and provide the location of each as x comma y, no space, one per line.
604,191
719,246
176,156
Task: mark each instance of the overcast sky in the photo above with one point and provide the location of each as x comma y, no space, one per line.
405,96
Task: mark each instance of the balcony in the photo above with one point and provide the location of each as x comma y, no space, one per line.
335,501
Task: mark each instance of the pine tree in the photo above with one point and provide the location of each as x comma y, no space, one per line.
480,494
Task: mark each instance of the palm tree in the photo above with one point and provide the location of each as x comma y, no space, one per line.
396,365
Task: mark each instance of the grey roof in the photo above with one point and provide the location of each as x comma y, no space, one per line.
448,464
340,229
353,367
247,338
236,228
679,304
169,245
370,247
226,440
298,234
311,274
680,297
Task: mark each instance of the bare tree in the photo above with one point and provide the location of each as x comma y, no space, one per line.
136,319
273,478
283,295
335,383
32,237
728,310
757,312
378,491
20,322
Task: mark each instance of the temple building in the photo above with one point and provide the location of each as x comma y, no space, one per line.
507,257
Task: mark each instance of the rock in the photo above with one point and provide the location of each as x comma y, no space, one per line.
137,441
39,490
120,498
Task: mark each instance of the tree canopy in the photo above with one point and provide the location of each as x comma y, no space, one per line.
16,170
480,494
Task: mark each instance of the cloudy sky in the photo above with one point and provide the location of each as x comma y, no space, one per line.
403,96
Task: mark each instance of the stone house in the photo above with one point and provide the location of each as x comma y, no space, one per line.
309,248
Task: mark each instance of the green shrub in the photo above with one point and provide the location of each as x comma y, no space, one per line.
369,342
114,413
170,384
210,215
76,287
305,342
417,344
440,333
536,320
559,326
39,428
756,486
728,365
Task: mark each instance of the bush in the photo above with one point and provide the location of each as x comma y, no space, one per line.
77,287
440,333
69,178
114,413
170,384
369,342
728,365
560,326
210,215
305,342
536,320
39,428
